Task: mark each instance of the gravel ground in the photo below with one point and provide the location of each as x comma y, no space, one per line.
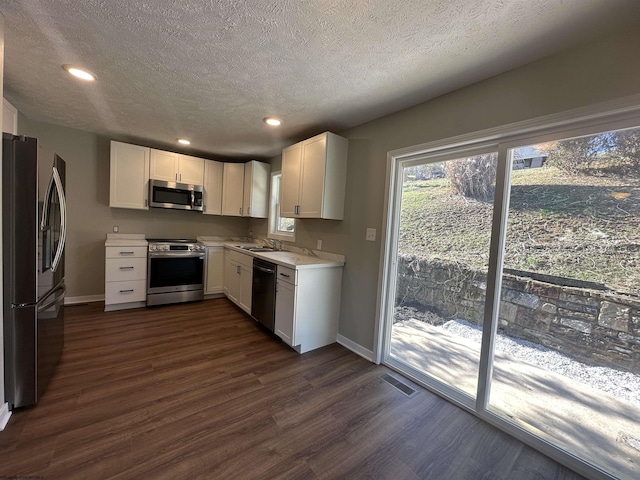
623,385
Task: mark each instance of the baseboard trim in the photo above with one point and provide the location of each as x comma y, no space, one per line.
355,348
5,414
83,299
124,306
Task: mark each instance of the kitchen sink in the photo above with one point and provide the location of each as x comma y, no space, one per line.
252,248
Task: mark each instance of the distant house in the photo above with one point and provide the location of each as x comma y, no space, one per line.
528,157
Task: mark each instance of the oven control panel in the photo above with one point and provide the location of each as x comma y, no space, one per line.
176,247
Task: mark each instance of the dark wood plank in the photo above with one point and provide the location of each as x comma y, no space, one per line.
199,391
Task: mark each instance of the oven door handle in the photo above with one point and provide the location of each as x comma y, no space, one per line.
177,254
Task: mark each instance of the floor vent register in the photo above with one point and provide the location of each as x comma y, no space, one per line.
403,387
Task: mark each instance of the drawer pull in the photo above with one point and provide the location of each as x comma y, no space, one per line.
126,253
126,268
127,291
285,275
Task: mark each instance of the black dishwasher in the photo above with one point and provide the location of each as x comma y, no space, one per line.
263,293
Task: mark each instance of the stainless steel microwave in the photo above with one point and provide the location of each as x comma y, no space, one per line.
182,196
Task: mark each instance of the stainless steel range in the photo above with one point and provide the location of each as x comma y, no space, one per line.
175,271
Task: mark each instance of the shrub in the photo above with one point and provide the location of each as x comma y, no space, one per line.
472,177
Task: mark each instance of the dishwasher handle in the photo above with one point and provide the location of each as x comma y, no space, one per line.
262,269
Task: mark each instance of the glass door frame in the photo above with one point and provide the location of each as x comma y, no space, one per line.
582,122
421,159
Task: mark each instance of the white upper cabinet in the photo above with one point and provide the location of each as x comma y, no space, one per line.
232,189
175,167
129,176
164,165
256,189
212,188
9,118
191,170
314,178
290,182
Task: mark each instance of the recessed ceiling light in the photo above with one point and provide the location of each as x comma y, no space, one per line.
184,141
79,73
273,121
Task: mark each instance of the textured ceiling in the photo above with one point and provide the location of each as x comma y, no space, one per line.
212,70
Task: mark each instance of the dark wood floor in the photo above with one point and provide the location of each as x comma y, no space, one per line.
199,391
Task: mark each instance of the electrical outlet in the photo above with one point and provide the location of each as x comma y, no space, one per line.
319,245
371,235
116,229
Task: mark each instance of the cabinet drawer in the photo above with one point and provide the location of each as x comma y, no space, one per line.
241,258
124,292
122,252
287,275
123,269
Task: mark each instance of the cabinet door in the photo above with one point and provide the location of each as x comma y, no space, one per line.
285,312
247,189
164,165
215,270
190,170
290,183
256,189
232,189
312,178
212,188
233,281
246,287
129,176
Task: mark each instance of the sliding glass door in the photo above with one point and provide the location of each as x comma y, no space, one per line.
567,354
442,269
513,288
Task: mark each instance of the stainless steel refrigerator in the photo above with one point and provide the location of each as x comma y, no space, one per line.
34,225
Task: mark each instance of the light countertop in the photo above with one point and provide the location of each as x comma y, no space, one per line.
295,260
125,240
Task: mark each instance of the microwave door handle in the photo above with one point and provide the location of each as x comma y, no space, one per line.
63,220
193,199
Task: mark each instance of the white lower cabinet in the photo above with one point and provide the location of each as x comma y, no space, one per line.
125,277
238,278
215,270
285,311
308,306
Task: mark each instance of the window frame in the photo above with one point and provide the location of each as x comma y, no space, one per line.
274,213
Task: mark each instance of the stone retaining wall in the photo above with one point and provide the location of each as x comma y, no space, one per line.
596,327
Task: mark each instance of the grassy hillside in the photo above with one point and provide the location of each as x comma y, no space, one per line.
580,226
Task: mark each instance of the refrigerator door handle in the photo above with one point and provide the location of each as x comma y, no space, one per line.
63,220
56,298
44,223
